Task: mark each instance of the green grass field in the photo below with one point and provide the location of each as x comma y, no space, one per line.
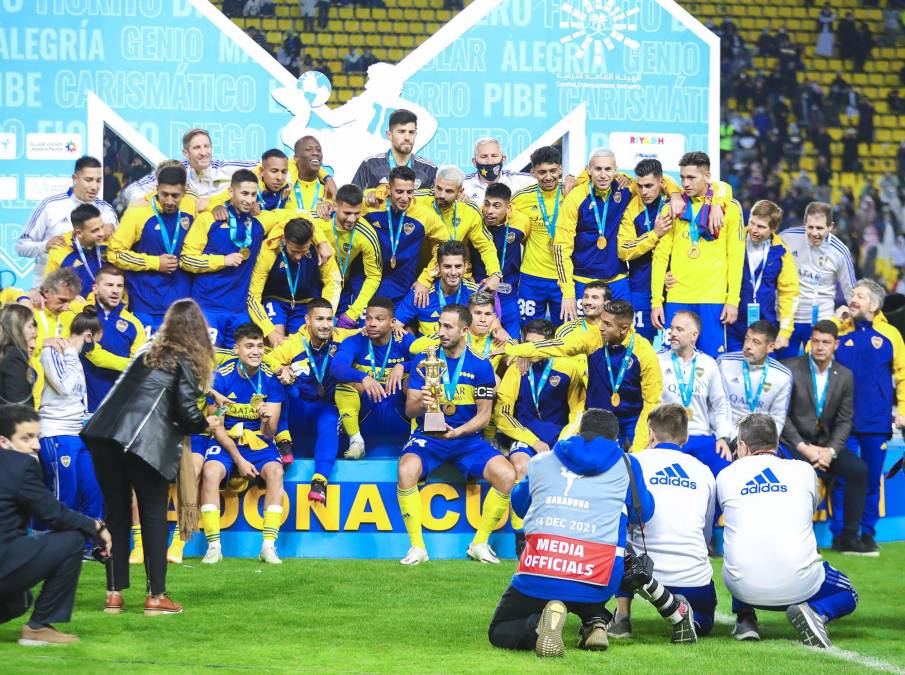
376,616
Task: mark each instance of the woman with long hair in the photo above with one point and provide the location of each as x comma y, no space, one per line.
136,439
18,332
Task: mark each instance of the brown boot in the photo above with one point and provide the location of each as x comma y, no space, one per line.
156,605
43,636
114,602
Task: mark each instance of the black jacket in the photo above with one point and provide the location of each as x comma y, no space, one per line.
15,383
149,412
23,496
835,423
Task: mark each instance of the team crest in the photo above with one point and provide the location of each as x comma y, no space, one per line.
630,363
849,343
332,350
876,341
185,222
122,325
347,247
767,386
699,372
554,380
408,228
617,196
510,237
65,460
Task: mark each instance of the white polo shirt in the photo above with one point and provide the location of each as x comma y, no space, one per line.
774,399
709,406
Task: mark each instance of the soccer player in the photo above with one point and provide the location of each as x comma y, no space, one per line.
286,276
273,191
823,263
508,230
246,440
370,371
707,268
219,251
148,244
769,279
122,333
302,363
771,560
401,132
676,536
450,289
754,381
356,245
403,224
623,371
308,182
50,221
538,293
488,161
874,351
84,249
466,402
66,462
692,380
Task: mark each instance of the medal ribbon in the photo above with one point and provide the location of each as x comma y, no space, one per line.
441,298
259,387
819,396
505,246
450,385
318,375
343,262
234,229
694,221
84,259
455,218
375,373
392,160
623,368
397,235
169,244
648,222
549,223
601,222
686,391
488,343
746,372
536,390
299,202
293,285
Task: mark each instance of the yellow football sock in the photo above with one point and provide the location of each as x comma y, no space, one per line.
495,506
177,539
517,523
272,516
410,506
348,403
319,476
136,536
210,520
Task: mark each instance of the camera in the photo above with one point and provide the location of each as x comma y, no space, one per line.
639,570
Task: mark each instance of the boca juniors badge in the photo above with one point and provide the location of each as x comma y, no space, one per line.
510,237
408,228
617,196
554,380
122,325
876,341
184,222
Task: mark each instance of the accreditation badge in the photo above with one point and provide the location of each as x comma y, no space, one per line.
753,312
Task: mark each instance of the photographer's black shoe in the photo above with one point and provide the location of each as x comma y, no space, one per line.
848,544
871,548
683,632
592,636
746,627
620,628
809,625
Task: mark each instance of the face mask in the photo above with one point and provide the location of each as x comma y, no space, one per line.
86,348
490,172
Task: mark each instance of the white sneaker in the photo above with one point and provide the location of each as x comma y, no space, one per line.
415,556
213,555
482,553
269,555
356,447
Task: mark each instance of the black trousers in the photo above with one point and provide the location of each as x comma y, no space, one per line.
514,623
853,471
118,473
56,559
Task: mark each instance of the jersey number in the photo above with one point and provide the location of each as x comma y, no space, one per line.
526,307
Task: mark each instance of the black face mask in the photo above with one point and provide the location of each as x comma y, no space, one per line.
87,347
489,172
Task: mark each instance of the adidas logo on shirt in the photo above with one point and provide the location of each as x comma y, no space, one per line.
765,481
673,475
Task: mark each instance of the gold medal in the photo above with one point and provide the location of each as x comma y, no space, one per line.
393,262
615,400
694,253
256,400
245,253
689,412
601,242
449,409
292,304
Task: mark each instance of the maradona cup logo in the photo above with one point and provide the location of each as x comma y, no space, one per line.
598,25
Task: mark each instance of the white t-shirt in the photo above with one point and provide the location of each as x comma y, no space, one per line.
774,398
819,270
684,497
770,553
473,189
709,405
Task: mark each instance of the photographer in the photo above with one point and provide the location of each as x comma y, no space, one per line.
54,558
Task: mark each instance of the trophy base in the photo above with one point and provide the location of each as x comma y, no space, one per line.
434,423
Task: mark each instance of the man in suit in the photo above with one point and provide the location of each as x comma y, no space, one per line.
818,425
26,560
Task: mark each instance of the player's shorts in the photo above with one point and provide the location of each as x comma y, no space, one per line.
521,447
643,325
712,340
282,314
222,326
385,419
620,290
536,296
151,322
200,444
469,455
703,448
801,333
258,458
509,309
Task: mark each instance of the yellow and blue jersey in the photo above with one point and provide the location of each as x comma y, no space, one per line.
637,240
508,240
84,262
304,194
560,399
476,382
230,381
479,344
12,295
538,260
353,363
428,316
123,335
777,292
136,247
292,353
358,244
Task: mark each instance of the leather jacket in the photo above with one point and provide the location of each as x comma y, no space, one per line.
149,412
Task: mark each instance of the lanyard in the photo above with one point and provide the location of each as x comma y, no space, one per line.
648,223
686,391
601,221
536,390
820,260
259,387
397,235
375,373
58,329
318,375
441,298
626,358
455,218
234,230
488,343
281,199
746,372
549,223
505,246
81,252
819,396
391,160
343,262
169,244
293,285
299,202
757,279
451,385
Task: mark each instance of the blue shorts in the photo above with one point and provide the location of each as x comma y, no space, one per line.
537,296
703,449
282,314
712,340
801,333
469,455
385,419
222,325
702,600
509,308
258,458
151,322
199,444
643,325
620,290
